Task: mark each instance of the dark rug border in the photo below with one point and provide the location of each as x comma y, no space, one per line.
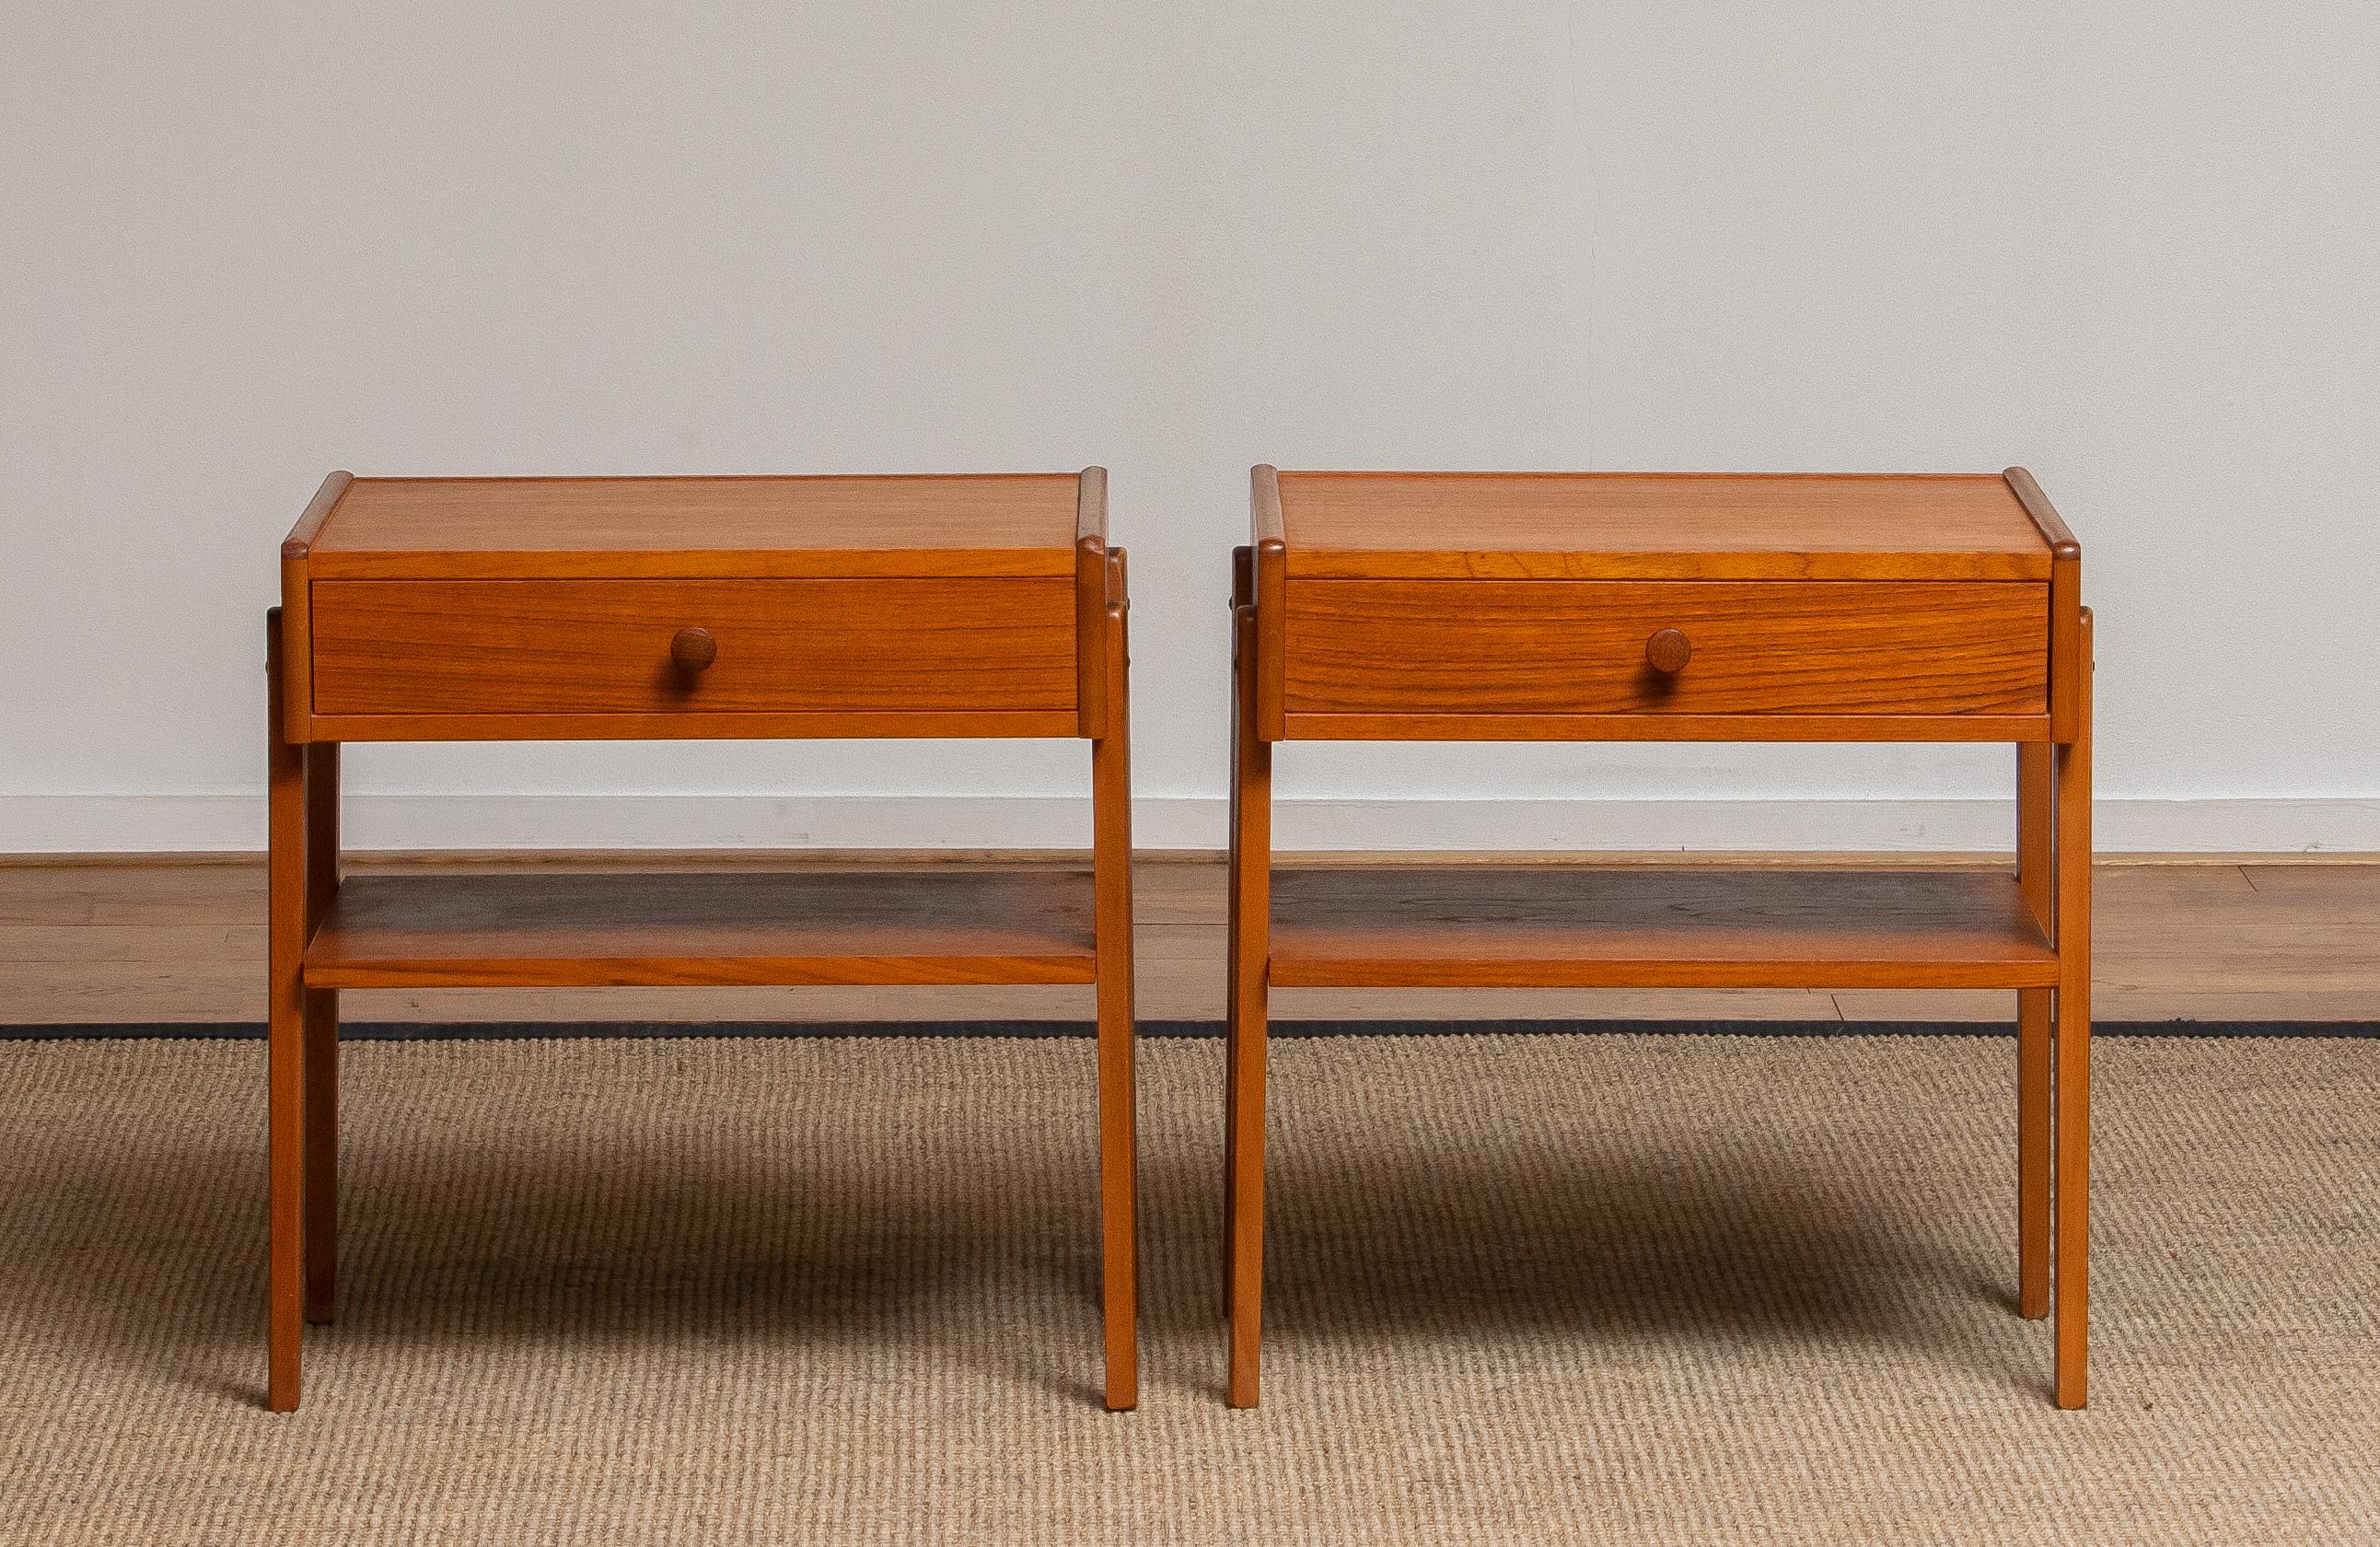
503,1030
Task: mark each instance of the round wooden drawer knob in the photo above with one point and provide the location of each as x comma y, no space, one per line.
693,649
1668,650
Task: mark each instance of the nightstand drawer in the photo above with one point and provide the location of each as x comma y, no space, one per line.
712,647
1601,647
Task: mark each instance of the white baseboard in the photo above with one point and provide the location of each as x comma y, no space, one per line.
160,824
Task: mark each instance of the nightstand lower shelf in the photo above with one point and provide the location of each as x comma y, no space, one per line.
581,930
1563,926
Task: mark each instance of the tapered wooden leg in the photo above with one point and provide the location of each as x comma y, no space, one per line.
1243,594
321,1040
285,1033
2036,877
1111,879
1251,907
2032,1160
1231,1069
2073,1050
1231,1055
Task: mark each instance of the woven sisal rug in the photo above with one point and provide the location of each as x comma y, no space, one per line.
1523,1289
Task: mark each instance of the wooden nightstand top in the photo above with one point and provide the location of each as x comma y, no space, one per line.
1665,525
999,524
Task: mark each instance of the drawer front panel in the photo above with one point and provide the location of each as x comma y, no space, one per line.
1580,647
602,647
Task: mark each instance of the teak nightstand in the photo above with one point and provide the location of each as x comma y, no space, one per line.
1627,607
635,608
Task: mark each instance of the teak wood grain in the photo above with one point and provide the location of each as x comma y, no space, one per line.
1111,887
108,940
1625,606
698,725
1540,927
604,647
2066,671
586,930
286,1043
1668,726
1248,953
295,672
2071,1034
1093,576
1268,579
321,1031
2036,879
1578,647
1657,526
486,609
735,528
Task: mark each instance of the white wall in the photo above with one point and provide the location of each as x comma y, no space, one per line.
2135,246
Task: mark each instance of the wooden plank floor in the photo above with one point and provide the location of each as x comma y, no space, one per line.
171,941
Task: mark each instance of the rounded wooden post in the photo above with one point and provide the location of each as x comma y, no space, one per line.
1251,907
2073,1033
2036,876
285,1038
321,1015
1111,883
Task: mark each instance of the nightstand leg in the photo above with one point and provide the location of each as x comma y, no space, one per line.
1230,1012
285,1033
2036,876
321,1014
1111,880
1242,595
2073,1092
2032,1160
1250,910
